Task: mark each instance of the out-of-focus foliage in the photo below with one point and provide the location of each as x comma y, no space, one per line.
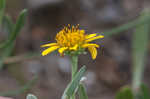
6,47
2,8
24,89
140,50
144,92
125,93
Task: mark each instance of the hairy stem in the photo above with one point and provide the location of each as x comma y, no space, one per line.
74,62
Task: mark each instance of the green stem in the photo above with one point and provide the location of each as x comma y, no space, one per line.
138,71
74,62
140,48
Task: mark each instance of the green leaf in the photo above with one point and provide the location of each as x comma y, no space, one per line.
70,90
7,25
125,93
2,8
82,92
2,4
16,30
5,53
19,24
31,96
144,92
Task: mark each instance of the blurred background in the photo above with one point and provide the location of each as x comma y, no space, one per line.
105,75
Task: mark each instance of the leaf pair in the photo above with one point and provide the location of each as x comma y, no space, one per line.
75,83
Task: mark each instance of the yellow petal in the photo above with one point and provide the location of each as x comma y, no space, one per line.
90,36
94,38
61,50
49,50
93,52
74,47
49,44
82,31
90,45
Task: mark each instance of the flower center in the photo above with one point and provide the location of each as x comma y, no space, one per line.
70,36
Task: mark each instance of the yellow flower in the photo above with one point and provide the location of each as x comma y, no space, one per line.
73,39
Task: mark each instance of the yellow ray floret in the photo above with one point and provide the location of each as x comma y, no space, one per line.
94,38
90,36
73,39
48,45
90,45
49,50
93,51
62,49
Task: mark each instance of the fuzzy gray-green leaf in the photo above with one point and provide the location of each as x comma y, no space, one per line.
69,91
31,96
82,92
